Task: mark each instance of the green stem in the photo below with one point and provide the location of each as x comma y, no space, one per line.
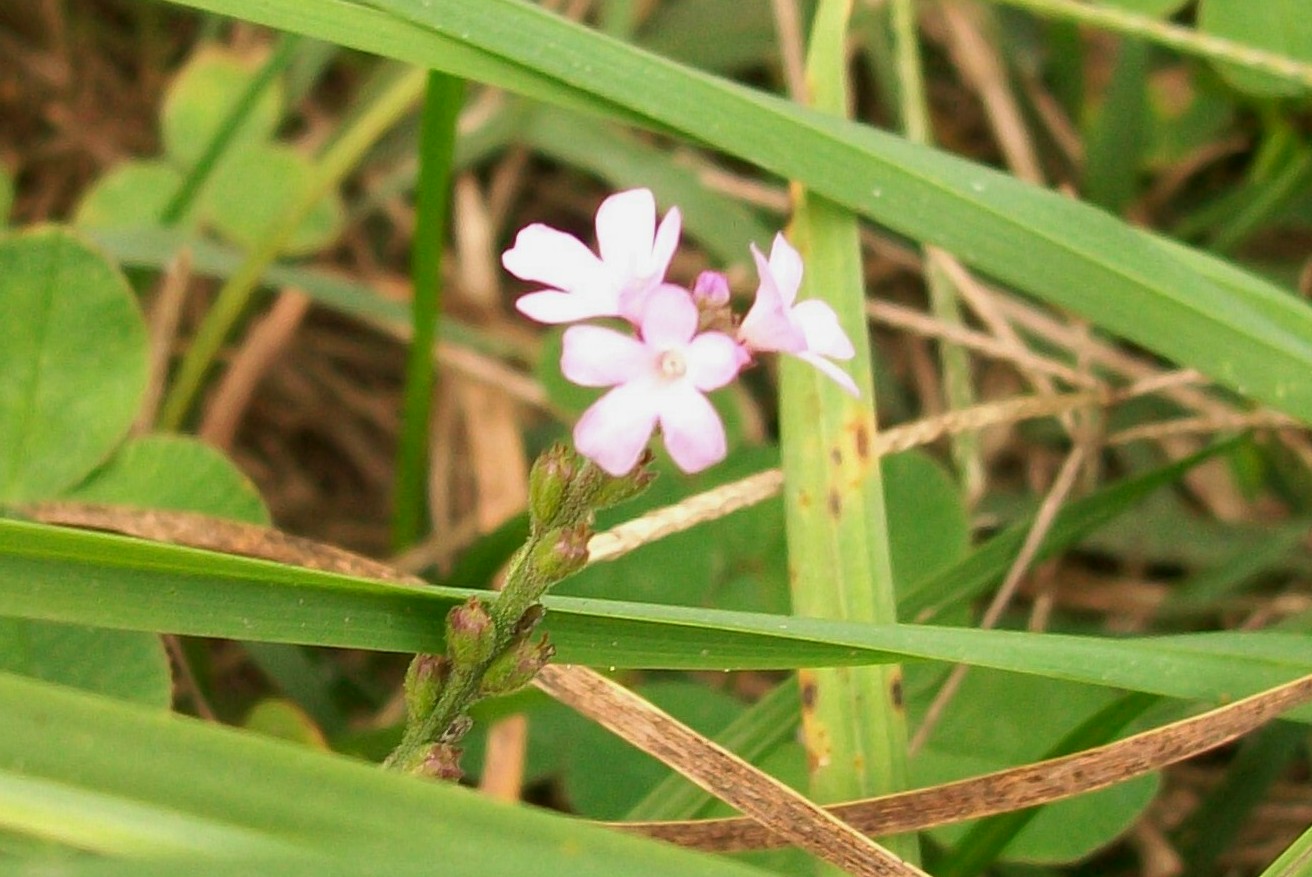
200,172
839,564
233,298
943,301
437,138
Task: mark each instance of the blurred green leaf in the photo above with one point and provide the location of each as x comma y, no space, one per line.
1280,26
177,473
200,98
999,720
252,187
72,362
118,663
130,195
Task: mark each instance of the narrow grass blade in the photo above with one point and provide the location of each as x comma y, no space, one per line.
437,141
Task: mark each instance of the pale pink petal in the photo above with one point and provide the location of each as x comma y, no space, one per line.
669,318
842,378
768,325
823,333
786,267
593,356
544,255
626,228
552,306
614,431
714,359
693,433
667,238
711,287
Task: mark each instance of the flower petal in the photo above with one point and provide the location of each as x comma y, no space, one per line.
626,228
840,377
545,255
823,333
667,238
614,431
669,317
693,432
593,356
553,306
786,267
714,359
768,325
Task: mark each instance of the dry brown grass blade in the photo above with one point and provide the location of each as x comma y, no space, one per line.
1016,788
777,810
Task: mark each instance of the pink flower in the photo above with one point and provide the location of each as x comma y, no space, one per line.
634,254
808,330
659,377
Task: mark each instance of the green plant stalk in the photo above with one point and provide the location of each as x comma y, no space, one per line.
437,139
943,302
1184,40
200,172
390,105
838,554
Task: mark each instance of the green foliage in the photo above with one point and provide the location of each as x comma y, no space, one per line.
1280,26
72,362
254,178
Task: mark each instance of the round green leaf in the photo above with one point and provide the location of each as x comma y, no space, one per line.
174,472
928,527
251,189
201,97
132,195
998,720
1280,26
119,663
72,362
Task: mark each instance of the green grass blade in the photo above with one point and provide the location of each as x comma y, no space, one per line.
146,782
437,142
853,723
113,581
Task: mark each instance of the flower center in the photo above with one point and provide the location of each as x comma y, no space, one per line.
672,364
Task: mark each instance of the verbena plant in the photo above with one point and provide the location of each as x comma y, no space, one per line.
867,563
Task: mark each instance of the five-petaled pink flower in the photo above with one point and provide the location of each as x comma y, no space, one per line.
658,377
634,253
808,330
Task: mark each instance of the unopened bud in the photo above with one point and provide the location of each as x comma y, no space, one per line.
423,683
470,633
516,667
612,490
549,484
561,552
711,289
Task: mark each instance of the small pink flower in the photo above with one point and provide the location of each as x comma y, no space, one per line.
659,377
634,254
808,330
